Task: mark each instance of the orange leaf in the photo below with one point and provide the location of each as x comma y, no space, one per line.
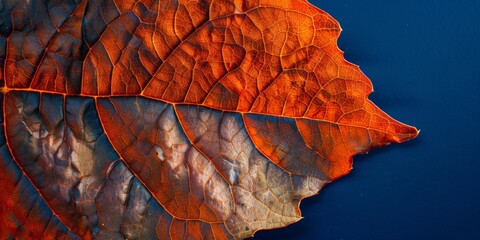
175,119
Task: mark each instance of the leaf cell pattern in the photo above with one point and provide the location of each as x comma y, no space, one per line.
172,119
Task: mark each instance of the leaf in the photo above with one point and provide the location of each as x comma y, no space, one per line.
174,119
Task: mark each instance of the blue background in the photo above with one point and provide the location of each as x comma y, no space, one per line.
423,59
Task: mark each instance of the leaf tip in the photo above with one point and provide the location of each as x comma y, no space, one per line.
406,133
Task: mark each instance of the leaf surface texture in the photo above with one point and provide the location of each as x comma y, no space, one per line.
174,119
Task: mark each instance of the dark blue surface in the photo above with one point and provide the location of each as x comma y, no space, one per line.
423,58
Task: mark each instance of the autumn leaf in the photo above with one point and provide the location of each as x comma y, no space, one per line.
174,119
